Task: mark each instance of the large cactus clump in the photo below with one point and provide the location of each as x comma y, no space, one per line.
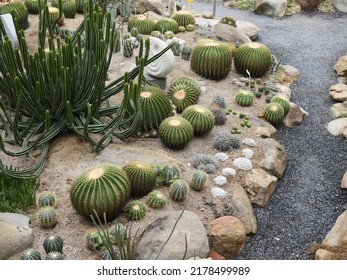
33,6
19,10
254,57
142,23
104,188
200,118
69,7
211,59
183,18
182,96
166,24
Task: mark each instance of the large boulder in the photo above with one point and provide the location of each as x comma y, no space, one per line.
341,5
295,116
341,66
231,34
338,92
248,28
142,6
189,227
307,5
273,8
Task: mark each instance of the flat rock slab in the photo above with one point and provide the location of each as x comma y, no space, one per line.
338,92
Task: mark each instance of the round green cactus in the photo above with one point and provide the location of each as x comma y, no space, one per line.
19,9
176,49
31,254
54,16
134,32
104,188
181,29
200,118
284,102
135,210
46,199
254,57
47,217
155,106
79,4
179,190
166,24
117,41
186,52
33,6
274,113
69,7
183,18
188,81
198,181
156,200
244,98
190,28
169,173
182,96
175,132
211,60
141,176
128,49
142,23
53,243
55,256
169,34
229,21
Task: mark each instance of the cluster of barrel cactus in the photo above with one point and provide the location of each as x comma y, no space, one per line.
276,110
47,215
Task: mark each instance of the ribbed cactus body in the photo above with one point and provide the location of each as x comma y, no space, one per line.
19,9
244,98
141,177
53,243
198,181
55,256
128,48
104,188
183,18
46,199
142,23
181,29
274,113
79,5
211,60
186,52
33,6
134,32
190,28
284,102
31,255
175,132
188,81
135,210
182,96
47,217
166,24
69,7
179,190
155,107
170,172
200,118
254,57
229,21
117,41
156,199
54,15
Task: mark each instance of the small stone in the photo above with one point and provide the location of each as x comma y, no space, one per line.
218,192
322,254
338,92
337,127
341,66
338,110
289,74
295,116
207,15
214,255
342,80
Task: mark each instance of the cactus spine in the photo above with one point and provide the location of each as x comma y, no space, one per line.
53,243
183,18
47,217
166,24
244,98
156,200
200,118
274,113
128,48
31,254
199,179
55,256
69,7
182,96
170,172
284,102
142,23
46,199
179,190
135,210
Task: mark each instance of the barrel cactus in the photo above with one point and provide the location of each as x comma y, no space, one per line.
229,21
46,199
54,16
244,98
183,18
284,102
79,4
47,217
211,60
128,48
190,28
141,177
104,188
254,57
179,190
169,173
135,210
182,96
117,42
166,24
33,6
188,81
156,200
175,132
69,7
142,23
200,118
31,254
198,181
55,256
19,10
155,107
181,29
53,243
274,113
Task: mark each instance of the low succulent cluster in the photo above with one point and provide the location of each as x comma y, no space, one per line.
198,181
225,141
179,190
156,199
243,163
135,210
205,162
200,118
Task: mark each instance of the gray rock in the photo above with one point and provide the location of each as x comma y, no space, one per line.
207,15
275,158
156,234
295,116
263,128
341,5
248,28
15,234
337,127
259,186
272,8
341,66
338,110
338,92
284,91
142,6
230,3
289,74
229,33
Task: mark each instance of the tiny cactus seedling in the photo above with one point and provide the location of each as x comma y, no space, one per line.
179,190
183,18
31,254
182,96
170,173
198,181
156,200
200,118
284,102
190,28
244,98
46,199
47,217
53,243
135,210
188,81
274,113
55,256
142,23
166,24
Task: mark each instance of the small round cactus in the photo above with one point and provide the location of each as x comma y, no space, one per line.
46,199
170,172
69,7
200,118
169,34
128,48
135,210
31,254
141,176
181,29
175,132
142,23
134,32
182,96
198,181
229,21
190,28
183,18
47,217
156,200
166,24
179,190
53,243
274,113
55,256
244,98
186,52
188,81
54,16
284,102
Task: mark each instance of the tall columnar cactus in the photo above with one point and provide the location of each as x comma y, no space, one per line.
188,81
134,32
284,102
169,173
104,188
33,6
175,132
244,98
182,96
135,210
179,190
31,255
55,15
47,217
55,256
198,181
183,18
155,106
274,113
156,200
141,177
200,118
142,23
128,48
46,199
69,7
53,243
166,24
254,57
19,10
211,59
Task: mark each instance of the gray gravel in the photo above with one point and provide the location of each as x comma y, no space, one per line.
308,198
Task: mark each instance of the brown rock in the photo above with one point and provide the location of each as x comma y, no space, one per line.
227,236
214,255
229,33
309,4
295,116
344,181
341,66
207,15
289,74
322,254
273,8
263,128
338,92
230,3
142,6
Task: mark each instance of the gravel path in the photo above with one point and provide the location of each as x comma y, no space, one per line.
308,198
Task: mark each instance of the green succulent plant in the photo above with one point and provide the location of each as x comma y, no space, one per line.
46,199
166,24
183,18
47,217
55,256
69,7
181,29
128,48
198,181
187,81
56,16
53,243
284,102
190,28
229,21
33,6
200,118
182,96
156,199
142,23
169,173
31,254
179,190
244,98
19,9
274,113
135,210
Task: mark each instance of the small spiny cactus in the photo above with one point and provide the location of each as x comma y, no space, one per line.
229,21
274,113
128,48
134,32
166,24
156,200
142,23
170,172
46,199
69,7
190,28
179,190
200,118
117,41
181,29
135,210
188,81
47,217
244,98
53,243
284,102
33,6
31,254
198,181
182,96
55,256
183,18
